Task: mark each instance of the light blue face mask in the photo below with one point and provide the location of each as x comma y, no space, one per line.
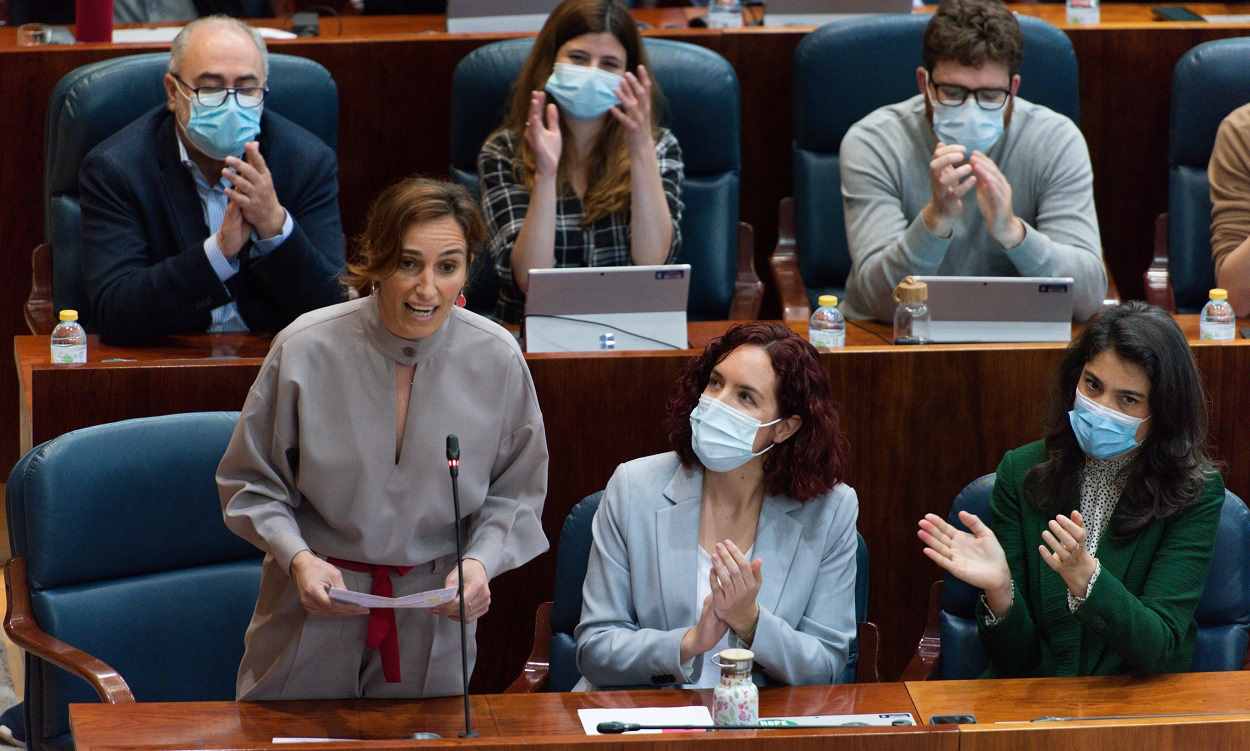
1103,433
583,92
222,131
723,437
968,125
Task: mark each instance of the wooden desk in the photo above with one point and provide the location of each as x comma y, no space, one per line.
922,422
547,721
1217,705
1125,67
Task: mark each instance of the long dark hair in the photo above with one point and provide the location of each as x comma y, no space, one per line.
1171,467
813,460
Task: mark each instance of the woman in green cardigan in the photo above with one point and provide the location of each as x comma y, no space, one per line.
1102,533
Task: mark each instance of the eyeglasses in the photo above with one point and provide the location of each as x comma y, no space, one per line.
215,96
987,99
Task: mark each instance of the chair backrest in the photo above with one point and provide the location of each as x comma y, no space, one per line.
1209,81
701,108
128,559
566,609
840,78
1223,613
94,101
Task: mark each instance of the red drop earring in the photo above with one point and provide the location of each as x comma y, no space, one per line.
460,301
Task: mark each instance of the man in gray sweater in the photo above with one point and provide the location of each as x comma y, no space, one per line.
967,178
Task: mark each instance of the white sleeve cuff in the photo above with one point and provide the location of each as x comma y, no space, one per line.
222,266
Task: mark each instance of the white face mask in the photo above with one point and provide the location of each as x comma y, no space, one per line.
968,125
722,437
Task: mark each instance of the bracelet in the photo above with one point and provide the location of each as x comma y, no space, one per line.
990,618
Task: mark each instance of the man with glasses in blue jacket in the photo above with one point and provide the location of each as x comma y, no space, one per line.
967,178
210,213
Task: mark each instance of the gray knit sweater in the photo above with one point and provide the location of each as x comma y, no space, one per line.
885,185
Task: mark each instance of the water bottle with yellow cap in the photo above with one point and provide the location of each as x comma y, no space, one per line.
69,340
827,328
1218,322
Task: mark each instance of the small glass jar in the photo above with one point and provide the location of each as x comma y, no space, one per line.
736,699
911,317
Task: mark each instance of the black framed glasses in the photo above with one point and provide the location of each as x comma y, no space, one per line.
953,95
215,96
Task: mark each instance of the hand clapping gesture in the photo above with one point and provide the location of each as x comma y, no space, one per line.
975,557
735,587
1064,551
543,135
634,111
950,178
994,200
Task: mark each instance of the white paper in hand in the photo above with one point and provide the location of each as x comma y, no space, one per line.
430,599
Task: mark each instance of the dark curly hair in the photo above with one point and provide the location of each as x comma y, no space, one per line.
972,33
1169,471
813,460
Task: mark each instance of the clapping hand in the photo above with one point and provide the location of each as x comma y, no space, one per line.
1064,551
950,178
975,557
994,200
634,111
735,587
703,635
543,137
253,191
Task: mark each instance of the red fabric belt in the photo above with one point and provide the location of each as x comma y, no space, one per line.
383,634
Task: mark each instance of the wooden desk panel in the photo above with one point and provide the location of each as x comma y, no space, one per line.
922,422
1169,734
229,724
1025,699
547,721
394,78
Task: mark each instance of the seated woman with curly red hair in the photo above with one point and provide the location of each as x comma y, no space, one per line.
743,535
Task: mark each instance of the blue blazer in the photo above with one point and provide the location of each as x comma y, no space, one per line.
143,234
639,596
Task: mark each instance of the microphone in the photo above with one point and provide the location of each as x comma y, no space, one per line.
616,728
453,467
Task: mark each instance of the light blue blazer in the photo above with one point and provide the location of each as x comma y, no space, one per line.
639,595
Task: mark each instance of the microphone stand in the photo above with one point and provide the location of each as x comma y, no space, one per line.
453,466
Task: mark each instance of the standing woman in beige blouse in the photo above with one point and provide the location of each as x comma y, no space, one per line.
337,468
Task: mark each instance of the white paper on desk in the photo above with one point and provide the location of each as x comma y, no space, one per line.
1213,18
697,715
165,34
429,599
278,740
886,719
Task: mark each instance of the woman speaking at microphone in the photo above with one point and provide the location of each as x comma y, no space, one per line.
1102,532
337,468
580,174
743,535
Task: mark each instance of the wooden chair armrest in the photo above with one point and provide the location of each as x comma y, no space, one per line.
930,646
1157,280
867,670
748,289
40,318
785,267
20,625
533,676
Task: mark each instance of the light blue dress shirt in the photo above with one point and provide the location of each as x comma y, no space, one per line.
213,200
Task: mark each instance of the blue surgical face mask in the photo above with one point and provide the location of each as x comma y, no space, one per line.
968,125
219,132
1103,433
724,438
583,92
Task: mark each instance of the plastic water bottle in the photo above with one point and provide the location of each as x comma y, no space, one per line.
69,341
724,14
827,329
1218,320
1083,11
